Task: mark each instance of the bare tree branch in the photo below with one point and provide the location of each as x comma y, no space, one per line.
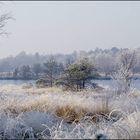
124,74
4,18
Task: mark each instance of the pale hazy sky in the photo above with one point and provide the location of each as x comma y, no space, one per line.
62,27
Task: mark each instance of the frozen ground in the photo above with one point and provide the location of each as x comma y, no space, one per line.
29,112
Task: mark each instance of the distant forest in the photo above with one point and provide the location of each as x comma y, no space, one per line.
104,60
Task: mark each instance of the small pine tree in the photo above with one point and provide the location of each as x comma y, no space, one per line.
77,74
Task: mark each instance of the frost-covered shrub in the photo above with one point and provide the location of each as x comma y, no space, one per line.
123,75
41,83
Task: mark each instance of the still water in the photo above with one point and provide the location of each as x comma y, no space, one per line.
103,83
112,84
16,82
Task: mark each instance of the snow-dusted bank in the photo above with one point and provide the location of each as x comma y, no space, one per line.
30,112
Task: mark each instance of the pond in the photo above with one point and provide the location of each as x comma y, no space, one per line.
112,84
103,83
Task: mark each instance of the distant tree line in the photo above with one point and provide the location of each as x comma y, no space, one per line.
50,69
102,59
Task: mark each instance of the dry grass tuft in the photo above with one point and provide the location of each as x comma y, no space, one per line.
75,114
69,114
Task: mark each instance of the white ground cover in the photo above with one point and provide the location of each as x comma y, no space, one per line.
30,113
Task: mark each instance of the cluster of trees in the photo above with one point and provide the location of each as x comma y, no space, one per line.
76,75
106,61
24,72
71,75
8,64
49,69
102,59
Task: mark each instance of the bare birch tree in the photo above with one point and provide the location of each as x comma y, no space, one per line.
123,75
4,18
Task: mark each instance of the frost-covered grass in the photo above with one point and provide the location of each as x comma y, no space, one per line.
30,112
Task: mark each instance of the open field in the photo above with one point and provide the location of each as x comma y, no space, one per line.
29,112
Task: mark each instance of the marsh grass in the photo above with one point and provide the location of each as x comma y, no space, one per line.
68,106
84,114
76,113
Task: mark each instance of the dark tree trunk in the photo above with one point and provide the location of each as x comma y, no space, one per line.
83,84
51,81
80,83
77,86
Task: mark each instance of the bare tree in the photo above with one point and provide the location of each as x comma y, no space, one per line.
25,72
124,73
4,18
37,69
3,21
50,69
104,63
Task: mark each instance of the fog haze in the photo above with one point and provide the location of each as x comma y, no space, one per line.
62,27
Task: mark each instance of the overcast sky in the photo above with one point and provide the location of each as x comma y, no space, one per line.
62,27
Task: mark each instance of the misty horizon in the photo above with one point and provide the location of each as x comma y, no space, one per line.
64,27
63,53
